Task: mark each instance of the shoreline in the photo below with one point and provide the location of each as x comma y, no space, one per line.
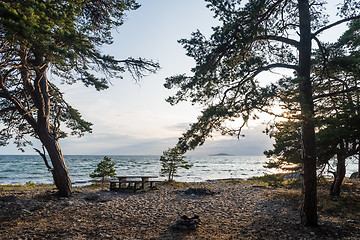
235,209
21,169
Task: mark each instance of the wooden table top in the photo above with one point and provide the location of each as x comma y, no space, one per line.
137,176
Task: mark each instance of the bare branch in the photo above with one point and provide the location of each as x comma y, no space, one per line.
44,158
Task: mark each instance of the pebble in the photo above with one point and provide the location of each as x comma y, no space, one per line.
232,212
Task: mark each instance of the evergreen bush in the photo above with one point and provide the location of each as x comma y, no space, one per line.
171,160
105,168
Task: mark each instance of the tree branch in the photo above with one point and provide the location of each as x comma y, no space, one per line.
44,158
4,110
352,89
280,39
260,70
19,106
334,24
136,67
275,65
323,54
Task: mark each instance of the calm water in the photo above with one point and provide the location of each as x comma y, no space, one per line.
19,169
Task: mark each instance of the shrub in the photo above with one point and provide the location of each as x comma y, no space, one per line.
171,160
105,168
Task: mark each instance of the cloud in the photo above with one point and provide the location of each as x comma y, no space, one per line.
243,147
113,143
253,144
178,127
128,145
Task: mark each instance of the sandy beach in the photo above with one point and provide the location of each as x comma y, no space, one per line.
227,210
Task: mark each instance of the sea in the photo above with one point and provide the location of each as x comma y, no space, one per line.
21,169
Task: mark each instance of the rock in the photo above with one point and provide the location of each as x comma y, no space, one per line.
67,203
198,191
295,175
354,175
92,197
186,223
9,198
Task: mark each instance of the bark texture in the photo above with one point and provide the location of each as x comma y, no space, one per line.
47,137
309,205
60,172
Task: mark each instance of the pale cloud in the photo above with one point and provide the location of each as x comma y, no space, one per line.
104,143
178,127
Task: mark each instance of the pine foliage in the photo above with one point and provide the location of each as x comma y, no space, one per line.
105,168
171,160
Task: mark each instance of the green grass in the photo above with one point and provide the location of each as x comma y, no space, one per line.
343,206
276,181
24,187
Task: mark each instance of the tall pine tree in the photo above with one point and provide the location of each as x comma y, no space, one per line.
256,37
62,37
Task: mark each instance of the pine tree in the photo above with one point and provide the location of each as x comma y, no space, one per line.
62,38
171,160
256,37
105,168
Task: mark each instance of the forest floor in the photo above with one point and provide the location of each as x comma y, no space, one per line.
228,209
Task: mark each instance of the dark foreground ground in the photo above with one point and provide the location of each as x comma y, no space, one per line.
228,210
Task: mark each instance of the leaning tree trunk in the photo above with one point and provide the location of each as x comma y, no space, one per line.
60,172
40,94
340,175
309,205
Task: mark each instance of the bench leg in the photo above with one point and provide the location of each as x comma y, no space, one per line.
153,185
112,186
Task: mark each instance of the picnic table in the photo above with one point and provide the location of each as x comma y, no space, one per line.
132,182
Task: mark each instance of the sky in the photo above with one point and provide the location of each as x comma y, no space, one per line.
134,118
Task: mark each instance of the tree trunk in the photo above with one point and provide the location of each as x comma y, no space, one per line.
41,97
60,172
340,175
309,205
358,176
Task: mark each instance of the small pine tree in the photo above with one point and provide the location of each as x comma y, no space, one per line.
171,160
105,168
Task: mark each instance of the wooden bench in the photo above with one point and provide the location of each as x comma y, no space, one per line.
132,184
